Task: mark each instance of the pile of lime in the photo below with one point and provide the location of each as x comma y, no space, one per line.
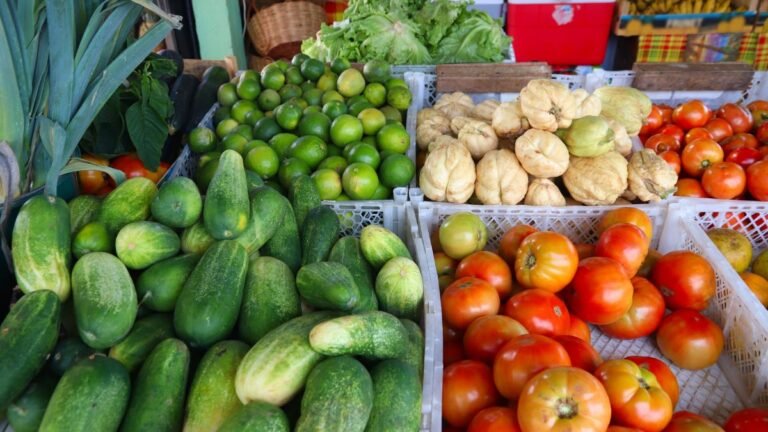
342,126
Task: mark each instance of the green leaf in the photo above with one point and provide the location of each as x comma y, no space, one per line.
53,137
148,132
61,40
77,164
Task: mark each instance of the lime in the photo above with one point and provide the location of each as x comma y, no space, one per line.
94,237
253,181
370,140
266,128
263,161
339,65
248,74
248,89
317,124
307,86
372,119
241,108
392,113
205,173
225,127
221,114
334,109
282,64
376,94
207,157
327,82
399,98
313,109
288,115
243,130
332,95
348,148
269,113
234,141
395,82
346,129
299,101
360,181
364,153
385,154
336,163
355,99
312,69
394,138
291,168
358,107
377,71
269,100
293,76
328,183
382,192
309,149
253,116
313,96
334,150
299,58
289,91
272,77
350,83
345,197
227,94
397,171
281,143
252,144
202,140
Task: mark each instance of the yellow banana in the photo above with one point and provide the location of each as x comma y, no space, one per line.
697,6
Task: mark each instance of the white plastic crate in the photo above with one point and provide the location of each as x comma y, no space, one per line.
714,392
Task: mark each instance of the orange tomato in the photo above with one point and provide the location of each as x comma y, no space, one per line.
539,311
661,143
685,279
691,114
653,122
625,243
510,242
489,267
688,187
757,180
672,158
696,133
643,317
699,155
630,215
585,250
684,421
495,419
666,113
487,334
724,180
663,374
602,291
467,299
581,353
580,329
521,358
546,260
689,339
91,182
758,285
719,129
467,389
737,116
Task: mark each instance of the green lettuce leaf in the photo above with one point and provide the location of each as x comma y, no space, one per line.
474,38
393,38
437,17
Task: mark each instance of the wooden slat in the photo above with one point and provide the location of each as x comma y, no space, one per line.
692,76
489,78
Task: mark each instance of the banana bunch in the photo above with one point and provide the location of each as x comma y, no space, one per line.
654,7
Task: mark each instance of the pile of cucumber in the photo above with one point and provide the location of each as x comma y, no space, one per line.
240,310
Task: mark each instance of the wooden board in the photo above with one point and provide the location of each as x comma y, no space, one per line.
692,76
489,78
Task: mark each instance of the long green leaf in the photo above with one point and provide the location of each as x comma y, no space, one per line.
15,38
90,30
53,137
12,117
61,40
77,164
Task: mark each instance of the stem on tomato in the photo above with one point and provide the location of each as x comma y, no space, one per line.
567,408
530,261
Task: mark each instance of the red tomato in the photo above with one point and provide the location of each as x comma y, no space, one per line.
625,243
653,122
663,374
688,187
495,419
91,182
637,399
739,117
699,155
132,166
539,311
674,131
602,291
661,143
613,428
739,141
672,159
744,156
666,113
510,242
581,353
719,129
763,151
684,421
748,420
696,133
585,250
724,180
467,389
757,180
761,105
523,357
453,351
650,261
643,317
685,279
689,339
546,260
489,267
446,269
579,329
630,215
564,399
691,114
487,334
467,299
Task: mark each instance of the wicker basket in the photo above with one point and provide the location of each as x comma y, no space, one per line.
278,30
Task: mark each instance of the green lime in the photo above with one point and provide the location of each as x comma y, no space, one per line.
207,157
248,89
225,127
306,86
392,113
298,101
377,71
313,96
397,171
334,109
289,91
293,76
346,129
253,116
332,95
252,144
269,100
376,94
310,149
291,168
281,143
355,99
248,74
227,94
94,237
243,130
328,183
317,124
202,140
399,98
358,107
299,58
241,108
364,153
348,148
336,163
205,173
269,113
385,154
312,69
334,150
266,128
394,138
313,109
339,65
382,192
234,141
373,120
282,64
370,140
253,181
272,78
327,82
221,114
263,161
345,197
360,181
350,83
395,82
288,116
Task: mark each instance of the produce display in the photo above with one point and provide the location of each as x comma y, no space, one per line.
653,7
749,262
342,126
295,326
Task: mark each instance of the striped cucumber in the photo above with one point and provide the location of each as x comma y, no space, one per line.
376,334
83,209
396,398
144,336
268,209
257,417
159,286
129,202
227,207
347,251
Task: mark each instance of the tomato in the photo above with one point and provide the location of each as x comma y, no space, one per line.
132,166
585,250
760,117
696,133
661,143
724,180
446,269
487,334
758,105
663,374
757,180
602,291
672,158
719,129
581,353
653,122
761,134
685,279
689,339
467,299
744,156
546,260
462,234
666,113
625,243
489,267
579,329
674,131
739,117
521,358
763,151
614,428
539,311
739,141
691,114
91,182
643,317
684,421
688,187
637,399
758,285
650,261
630,215
467,389
495,419
434,239
564,399
748,420
511,240
699,155
453,351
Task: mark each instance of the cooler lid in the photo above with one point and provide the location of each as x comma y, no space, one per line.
558,2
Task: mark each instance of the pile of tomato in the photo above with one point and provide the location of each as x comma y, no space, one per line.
718,154
94,182
517,342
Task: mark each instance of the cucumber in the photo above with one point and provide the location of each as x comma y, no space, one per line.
159,286
92,396
141,244
268,210
270,298
144,336
157,401
400,289
396,398
212,398
257,417
414,352
319,233
27,334
206,310
285,244
66,353
304,197
105,299
338,397
196,239
83,209
40,246
347,251
205,96
129,202
93,237
254,182
376,334
227,208
380,245
328,285
26,413
276,367
178,203
182,95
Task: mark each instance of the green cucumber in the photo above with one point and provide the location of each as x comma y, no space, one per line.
105,299
285,244
396,397
347,251
376,334
270,298
159,286
93,237
196,239
318,234
178,203
129,202
207,308
257,417
157,401
27,334
380,245
227,208
328,285
182,95
267,213
414,352
144,336
304,197
400,289
205,95
141,244
26,413
68,352
91,396
254,182
276,367
212,398
40,246
83,209
338,397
